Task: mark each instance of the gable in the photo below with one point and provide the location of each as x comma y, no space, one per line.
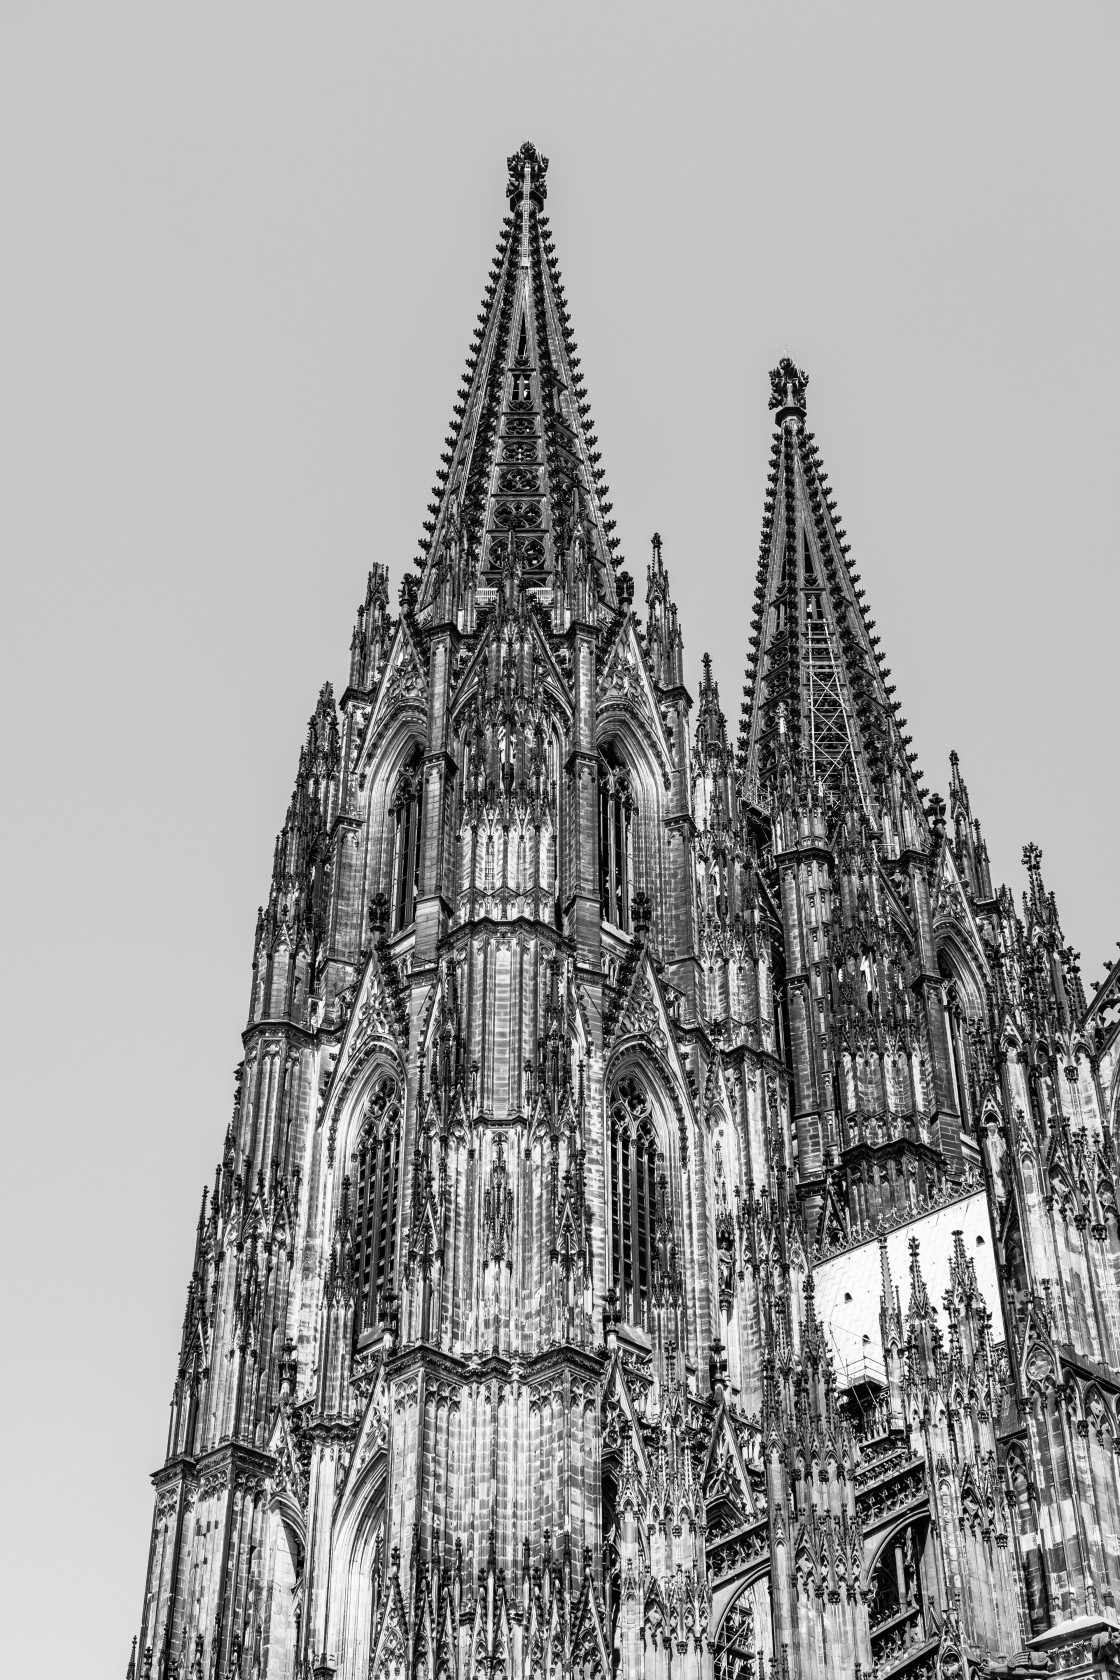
625,690
403,685
373,1025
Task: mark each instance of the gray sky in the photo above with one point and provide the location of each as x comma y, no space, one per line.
242,253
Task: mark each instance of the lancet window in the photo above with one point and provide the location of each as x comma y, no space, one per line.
961,1009
616,843
896,1608
735,1642
635,1203
376,1176
407,811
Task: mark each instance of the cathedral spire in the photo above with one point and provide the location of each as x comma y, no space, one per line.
579,1055
814,653
520,480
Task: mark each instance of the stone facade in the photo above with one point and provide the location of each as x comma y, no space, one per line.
587,1055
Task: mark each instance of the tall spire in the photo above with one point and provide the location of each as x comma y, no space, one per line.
814,653
520,475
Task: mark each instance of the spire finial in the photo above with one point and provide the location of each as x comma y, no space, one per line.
787,389
527,170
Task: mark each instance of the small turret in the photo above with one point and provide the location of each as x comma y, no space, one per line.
711,726
664,642
923,1336
291,926
373,630
969,846
1052,977
894,1340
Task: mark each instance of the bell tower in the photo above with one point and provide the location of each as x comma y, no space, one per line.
600,1078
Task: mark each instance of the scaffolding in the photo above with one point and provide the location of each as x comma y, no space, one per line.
831,726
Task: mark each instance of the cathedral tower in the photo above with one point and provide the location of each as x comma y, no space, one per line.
542,1319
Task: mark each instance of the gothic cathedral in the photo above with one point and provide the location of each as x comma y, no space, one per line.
668,1225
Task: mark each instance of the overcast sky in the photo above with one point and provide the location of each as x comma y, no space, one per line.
242,253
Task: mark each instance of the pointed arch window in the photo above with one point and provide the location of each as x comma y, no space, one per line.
616,839
962,1013
408,811
735,1644
636,1206
377,1172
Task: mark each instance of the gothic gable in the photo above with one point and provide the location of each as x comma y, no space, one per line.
553,685
953,914
402,688
730,1499
373,1029
625,691
369,1454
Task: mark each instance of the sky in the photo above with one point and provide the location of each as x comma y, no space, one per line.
243,248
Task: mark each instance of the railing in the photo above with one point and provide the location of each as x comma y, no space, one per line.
915,1657
881,1459
885,1489
734,1552
864,1368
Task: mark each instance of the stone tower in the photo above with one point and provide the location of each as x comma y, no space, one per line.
599,1080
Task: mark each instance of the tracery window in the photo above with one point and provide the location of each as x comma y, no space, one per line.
377,1171
408,811
634,1200
896,1609
616,846
735,1643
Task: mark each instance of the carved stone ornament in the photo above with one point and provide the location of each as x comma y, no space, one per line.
588,1052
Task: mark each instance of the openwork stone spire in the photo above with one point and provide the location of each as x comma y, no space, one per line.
815,667
541,1319
520,475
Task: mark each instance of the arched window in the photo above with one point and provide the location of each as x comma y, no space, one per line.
616,854
735,1642
637,1213
896,1608
407,808
377,1171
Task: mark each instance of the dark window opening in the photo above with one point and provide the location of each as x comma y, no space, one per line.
807,559
377,1179
635,1202
408,811
616,840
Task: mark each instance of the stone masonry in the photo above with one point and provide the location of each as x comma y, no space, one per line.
589,1051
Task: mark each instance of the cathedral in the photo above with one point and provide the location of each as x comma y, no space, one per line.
667,1227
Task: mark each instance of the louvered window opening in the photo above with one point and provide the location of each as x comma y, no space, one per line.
634,1162
616,841
377,1208
408,813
